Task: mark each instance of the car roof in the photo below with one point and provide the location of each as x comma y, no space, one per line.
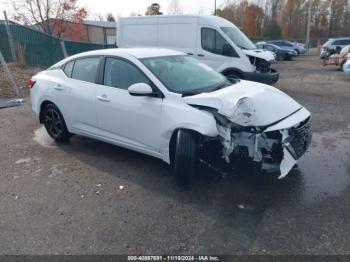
339,38
203,19
138,53
135,52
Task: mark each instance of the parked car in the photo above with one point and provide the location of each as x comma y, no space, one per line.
289,45
281,54
346,66
213,40
333,45
336,57
171,106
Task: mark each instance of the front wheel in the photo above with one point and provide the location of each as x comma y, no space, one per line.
185,157
282,57
55,124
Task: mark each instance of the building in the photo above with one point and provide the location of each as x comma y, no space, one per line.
94,32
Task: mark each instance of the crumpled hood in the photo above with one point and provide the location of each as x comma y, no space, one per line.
260,53
248,103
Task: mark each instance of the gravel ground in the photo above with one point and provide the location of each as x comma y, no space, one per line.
21,75
88,197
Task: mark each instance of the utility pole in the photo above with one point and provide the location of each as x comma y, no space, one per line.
214,7
307,41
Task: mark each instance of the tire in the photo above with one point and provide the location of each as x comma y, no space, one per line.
296,50
282,57
55,124
279,57
185,157
233,75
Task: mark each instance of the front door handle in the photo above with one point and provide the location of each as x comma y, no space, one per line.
200,55
103,98
58,87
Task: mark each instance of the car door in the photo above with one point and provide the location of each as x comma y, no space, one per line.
131,121
214,50
81,100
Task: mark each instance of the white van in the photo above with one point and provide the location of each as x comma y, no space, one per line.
211,39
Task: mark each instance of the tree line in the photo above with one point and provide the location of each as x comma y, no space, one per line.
288,18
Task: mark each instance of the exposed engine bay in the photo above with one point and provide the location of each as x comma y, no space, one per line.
273,151
261,65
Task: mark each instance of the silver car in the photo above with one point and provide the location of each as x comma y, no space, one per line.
332,45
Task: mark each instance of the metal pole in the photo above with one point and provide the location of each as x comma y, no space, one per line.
64,50
12,46
214,7
307,42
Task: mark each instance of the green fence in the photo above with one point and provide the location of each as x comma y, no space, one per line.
38,49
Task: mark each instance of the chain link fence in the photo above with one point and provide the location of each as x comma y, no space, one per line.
37,49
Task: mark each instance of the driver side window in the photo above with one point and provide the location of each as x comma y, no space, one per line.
213,42
121,74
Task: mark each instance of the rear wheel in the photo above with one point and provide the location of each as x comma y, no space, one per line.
185,157
282,57
55,124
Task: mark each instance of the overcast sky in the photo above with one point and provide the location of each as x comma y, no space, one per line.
125,7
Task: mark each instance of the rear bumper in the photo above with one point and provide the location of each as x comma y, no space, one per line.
265,78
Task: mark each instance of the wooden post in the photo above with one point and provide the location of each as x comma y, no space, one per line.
9,75
12,45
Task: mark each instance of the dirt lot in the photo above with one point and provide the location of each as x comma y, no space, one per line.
21,75
88,197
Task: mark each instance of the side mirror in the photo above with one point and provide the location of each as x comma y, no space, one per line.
140,89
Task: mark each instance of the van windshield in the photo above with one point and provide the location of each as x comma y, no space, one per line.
185,75
240,39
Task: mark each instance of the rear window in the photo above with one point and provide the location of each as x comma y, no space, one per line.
68,68
85,69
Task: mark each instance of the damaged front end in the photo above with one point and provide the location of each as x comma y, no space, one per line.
273,151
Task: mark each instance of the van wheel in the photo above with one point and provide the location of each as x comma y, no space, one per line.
233,75
55,124
185,157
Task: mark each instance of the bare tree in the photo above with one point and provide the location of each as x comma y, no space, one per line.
49,15
133,13
153,9
175,8
110,17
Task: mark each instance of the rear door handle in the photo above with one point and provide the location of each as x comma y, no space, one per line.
190,53
200,55
103,98
58,87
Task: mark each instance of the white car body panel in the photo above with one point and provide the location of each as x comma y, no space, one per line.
346,66
163,31
146,124
263,54
265,103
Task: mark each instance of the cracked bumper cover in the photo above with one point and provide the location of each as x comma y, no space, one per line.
277,147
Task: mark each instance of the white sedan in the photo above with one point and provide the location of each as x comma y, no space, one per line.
168,105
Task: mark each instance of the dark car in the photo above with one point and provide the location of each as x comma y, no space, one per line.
281,53
289,45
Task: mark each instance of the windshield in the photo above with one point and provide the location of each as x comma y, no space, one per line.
240,39
185,75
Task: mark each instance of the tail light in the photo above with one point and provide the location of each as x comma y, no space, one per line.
31,83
